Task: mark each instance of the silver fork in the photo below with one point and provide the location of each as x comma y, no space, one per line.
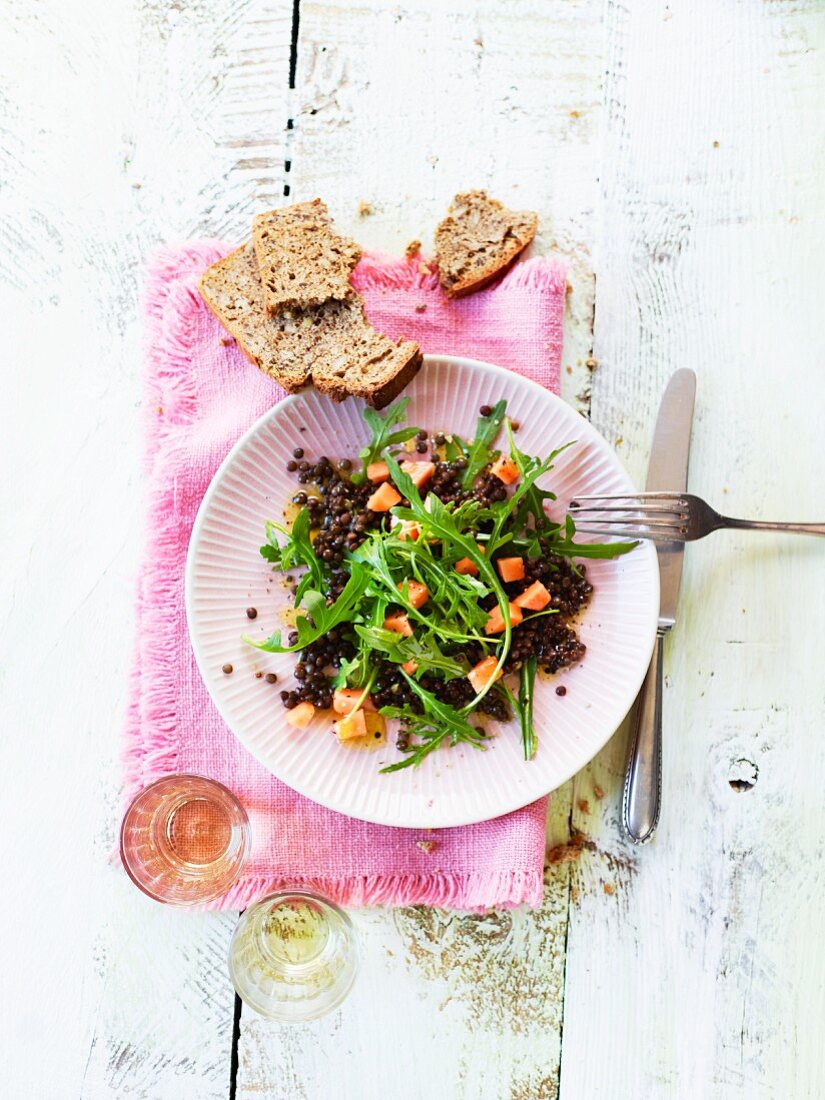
664,517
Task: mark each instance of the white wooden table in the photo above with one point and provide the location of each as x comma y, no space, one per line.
676,153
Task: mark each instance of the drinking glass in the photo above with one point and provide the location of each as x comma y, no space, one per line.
293,956
184,840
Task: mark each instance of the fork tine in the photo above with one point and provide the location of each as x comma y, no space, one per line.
631,533
634,496
673,524
642,509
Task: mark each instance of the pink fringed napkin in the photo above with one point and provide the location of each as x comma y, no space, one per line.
201,395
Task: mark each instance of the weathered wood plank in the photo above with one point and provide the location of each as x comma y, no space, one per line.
398,107
465,1008
123,125
696,976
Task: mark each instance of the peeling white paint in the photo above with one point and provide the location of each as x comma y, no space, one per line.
674,149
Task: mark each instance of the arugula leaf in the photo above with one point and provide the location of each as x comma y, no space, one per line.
437,519
296,551
382,435
455,447
319,618
527,681
480,454
439,722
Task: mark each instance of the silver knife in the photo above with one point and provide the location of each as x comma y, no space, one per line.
668,470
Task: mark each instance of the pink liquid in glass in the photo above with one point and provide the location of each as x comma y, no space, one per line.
184,840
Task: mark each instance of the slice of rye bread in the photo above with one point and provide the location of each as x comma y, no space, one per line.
232,290
301,260
477,240
333,345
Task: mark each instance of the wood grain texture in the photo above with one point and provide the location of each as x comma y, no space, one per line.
373,136
398,107
122,125
697,976
678,150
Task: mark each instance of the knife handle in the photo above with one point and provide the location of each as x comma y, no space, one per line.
643,780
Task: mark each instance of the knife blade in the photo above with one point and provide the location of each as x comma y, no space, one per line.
668,471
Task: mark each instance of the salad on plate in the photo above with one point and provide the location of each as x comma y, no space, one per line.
429,585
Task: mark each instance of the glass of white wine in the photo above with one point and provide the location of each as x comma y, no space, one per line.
293,956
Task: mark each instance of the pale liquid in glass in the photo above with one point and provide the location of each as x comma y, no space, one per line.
293,956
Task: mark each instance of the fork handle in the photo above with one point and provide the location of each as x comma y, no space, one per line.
643,779
762,525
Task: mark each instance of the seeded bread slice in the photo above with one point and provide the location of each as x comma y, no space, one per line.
350,357
333,344
477,240
232,290
302,261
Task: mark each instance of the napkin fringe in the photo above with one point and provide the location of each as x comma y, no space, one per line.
473,891
170,399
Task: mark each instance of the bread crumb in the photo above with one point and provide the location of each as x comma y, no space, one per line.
412,249
564,853
136,186
364,209
584,805
424,269
227,341
569,370
421,308
716,145
619,440
575,114
159,410
598,791
574,893
609,888
427,846
591,363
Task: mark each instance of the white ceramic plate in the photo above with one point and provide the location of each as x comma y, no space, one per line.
454,786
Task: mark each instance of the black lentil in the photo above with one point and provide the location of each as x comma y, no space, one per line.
227,669
252,613
298,452
271,678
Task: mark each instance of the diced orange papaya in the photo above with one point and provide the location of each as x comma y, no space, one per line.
378,471
301,715
510,569
495,622
398,623
420,472
344,700
354,725
409,667
505,470
385,497
417,593
467,567
534,598
482,673
408,530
